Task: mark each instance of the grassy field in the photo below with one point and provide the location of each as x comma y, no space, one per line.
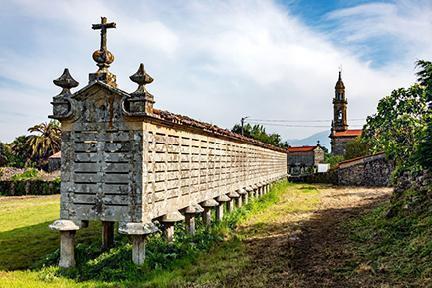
295,236
25,239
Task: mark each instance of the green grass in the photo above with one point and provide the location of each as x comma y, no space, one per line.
212,256
397,249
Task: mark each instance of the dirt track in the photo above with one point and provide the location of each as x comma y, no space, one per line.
305,249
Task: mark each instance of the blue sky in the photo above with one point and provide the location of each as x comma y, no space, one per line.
216,61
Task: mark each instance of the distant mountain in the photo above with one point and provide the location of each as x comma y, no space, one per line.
312,140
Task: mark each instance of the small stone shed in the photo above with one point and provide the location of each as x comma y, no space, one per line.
125,161
304,158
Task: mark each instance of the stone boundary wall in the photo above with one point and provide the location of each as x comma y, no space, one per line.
29,187
373,170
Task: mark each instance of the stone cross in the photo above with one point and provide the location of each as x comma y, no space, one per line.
103,26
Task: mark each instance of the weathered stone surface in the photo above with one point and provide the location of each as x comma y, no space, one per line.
137,228
373,170
64,225
125,161
67,248
209,203
172,217
223,198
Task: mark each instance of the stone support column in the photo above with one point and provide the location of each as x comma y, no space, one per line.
207,205
67,230
244,195
190,214
234,196
168,221
220,209
138,233
249,190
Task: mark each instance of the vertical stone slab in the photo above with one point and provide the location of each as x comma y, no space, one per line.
207,216
67,249
190,223
219,212
138,249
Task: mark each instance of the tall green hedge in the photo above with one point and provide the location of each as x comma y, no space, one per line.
29,187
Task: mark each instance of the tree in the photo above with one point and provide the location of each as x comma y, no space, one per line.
424,153
356,148
5,154
397,125
46,142
21,152
259,133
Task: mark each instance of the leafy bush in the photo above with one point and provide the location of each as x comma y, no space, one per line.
30,173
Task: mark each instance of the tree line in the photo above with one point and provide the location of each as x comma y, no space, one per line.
32,150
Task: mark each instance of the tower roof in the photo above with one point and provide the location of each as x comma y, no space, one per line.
339,83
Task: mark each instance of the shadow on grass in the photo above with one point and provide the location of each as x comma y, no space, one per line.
21,248
317,252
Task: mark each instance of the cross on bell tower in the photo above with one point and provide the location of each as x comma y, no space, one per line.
103,57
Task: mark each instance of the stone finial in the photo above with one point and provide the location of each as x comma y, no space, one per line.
141,101
66,82
141,78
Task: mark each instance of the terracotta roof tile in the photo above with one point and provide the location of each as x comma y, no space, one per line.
348,133
301,148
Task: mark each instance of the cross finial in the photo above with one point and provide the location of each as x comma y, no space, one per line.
103,57
103,26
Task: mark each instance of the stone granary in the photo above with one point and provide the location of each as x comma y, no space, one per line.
302,159
340,134
125,161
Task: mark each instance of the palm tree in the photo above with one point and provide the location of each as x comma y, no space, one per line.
46,143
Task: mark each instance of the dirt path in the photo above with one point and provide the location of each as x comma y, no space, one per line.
306,248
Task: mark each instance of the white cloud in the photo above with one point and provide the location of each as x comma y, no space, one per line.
215,61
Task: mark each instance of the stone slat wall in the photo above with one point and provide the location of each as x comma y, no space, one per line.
185,168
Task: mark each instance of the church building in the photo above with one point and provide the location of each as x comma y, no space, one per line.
340,134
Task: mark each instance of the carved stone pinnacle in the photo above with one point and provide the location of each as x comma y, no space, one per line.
66,82
141,78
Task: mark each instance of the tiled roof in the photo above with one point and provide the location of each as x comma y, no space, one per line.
209,128
348,133
301,148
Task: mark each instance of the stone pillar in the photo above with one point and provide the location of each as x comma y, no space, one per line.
244,195
67,230
238,200
234,196
255,191
207,205
138,233
249,190
190,213
107,235
220,209
168,221
138,249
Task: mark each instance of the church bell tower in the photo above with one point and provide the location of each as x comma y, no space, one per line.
340,107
